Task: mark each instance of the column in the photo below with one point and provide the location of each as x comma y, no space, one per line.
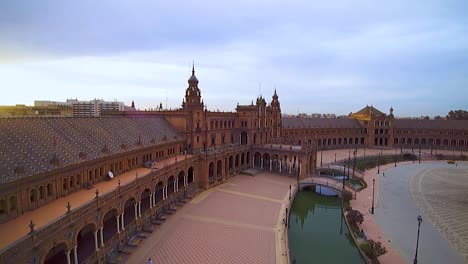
118,224
253,161
151,200
280,162
176,185
300,168
261,163
139,209
136,211
154,199
75,254
102,237
290,166
123,222
271,163
96,241
68,257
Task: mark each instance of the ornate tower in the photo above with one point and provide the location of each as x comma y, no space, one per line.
192,94
276,116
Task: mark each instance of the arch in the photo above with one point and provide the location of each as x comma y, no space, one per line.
110,224
345,141
247,161
129,211
363,141
242,158
145,200
85,241
409,141
12,203
219,170
190,175
181,179
237,161
423,141
170,185
266,161
453,143
461,143
416,141
211,177
381,141
446,143
32,195
257,159
438,142
244,138
41,192
231,162
339,141
402,141
57,253
329,142
49,189
395,141
334,141
158,189
356,140
3,207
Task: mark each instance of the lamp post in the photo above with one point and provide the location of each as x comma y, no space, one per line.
335,156
415,261
395,156
321,157
378,165
373,185
419,154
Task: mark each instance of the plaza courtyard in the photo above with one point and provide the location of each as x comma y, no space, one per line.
239,221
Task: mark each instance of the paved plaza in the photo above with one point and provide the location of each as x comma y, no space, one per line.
438,199
442,195
239,221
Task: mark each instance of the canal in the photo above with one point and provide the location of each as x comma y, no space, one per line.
317,233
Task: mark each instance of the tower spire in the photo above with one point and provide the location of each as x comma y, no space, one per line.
193,67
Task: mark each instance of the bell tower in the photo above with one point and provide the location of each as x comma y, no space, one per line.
192,94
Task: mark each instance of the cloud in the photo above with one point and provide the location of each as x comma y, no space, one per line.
326,56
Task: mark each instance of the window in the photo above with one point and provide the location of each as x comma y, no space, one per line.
198,139
32,195
49,189
12,203
41,192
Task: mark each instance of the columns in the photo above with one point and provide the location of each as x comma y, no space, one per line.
176,185
118,224
139,209
68,257
136,211
271,163
261,163
253,161
102,237
280,163
151,200
96,241
75,254
123,222
154,199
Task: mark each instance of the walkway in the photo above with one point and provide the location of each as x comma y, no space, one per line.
239,221
19,227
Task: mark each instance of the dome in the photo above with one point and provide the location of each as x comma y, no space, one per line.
193,79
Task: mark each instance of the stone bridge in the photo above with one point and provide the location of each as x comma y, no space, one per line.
335,184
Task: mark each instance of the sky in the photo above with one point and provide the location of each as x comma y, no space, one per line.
322,56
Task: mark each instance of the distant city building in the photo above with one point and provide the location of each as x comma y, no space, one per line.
94,107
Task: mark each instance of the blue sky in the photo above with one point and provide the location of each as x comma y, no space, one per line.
323,56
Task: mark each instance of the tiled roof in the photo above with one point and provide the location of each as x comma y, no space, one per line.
297,122
30,146
368,110
431,124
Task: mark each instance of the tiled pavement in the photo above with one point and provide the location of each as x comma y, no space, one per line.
232,223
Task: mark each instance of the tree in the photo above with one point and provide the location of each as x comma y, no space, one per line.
373,249
355,217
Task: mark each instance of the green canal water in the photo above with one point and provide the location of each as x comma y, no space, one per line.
314,231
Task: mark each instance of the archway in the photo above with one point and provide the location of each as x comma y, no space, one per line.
57,254
190,175
237,161
242,159
159,192
219,170
243,138
181,180
110,225
145,201
266,161
129,211
257,159
170,185
231,162
211,177
248,158
86,242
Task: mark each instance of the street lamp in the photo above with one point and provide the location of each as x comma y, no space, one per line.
378,165
415,261
335,156
321,157
373,185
